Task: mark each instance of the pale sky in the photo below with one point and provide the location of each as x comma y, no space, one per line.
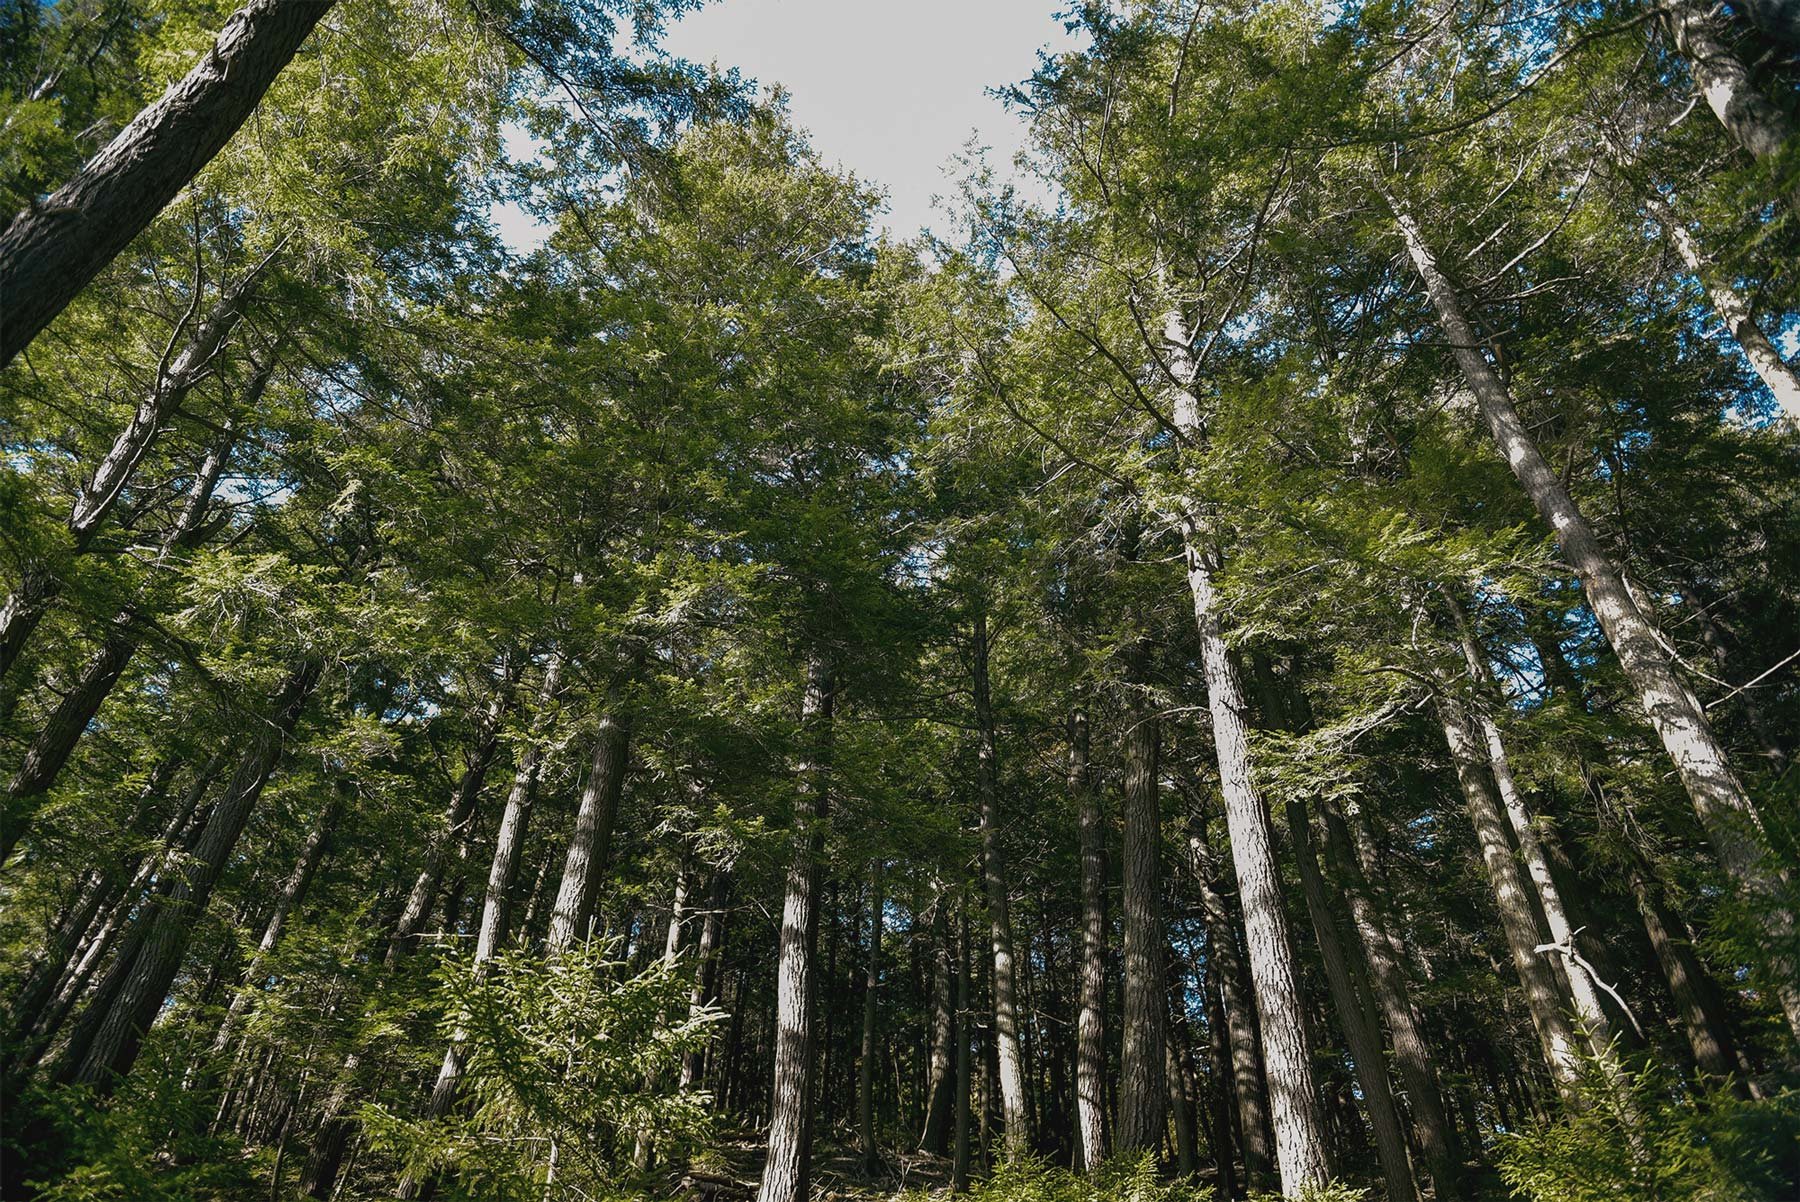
890,89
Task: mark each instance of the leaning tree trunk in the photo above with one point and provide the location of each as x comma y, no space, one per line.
1708,1031
1300,1145
591,841
1730,821
51,250
1518,920
1143,1089
1090,1030
100,1056
1017,1136
1412,1055
1590,1013
39,586
787,1172
1356,1016
56,739
1753,120
496,909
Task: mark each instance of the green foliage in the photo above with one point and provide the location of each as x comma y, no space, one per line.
1655,1140
561,1055
1138,1180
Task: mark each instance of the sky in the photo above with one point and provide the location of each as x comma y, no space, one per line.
891,90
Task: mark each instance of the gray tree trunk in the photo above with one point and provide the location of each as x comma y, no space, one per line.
865,1067
940,1074
51,250
1752,119
787,1173
1143,1089
1090,1031
1730,821
590,844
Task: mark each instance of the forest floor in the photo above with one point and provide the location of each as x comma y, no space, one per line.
733,1167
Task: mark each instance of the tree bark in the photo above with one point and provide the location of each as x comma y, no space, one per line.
787,1173
1412,1055
940,1076
101,1054
1708,1030
1232,977
55,741
959,1163
496,909
1752,119
51,250
1730,821
591,842
1356,1016
1017,1137
1090,1034
865,1069
1143,1090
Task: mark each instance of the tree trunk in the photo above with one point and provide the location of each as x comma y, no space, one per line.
1518,920
865,1080
940,1076
1143,1091
1232,976
496,909
56,740
787,1173
1718,796
52,250
1090,1035
1225,1114
101,1053
1752,119
1708,1029
959,1164
1005,984
1355,1015
705,991
591,842
1412,1055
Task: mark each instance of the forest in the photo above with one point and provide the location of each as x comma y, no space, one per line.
1270,670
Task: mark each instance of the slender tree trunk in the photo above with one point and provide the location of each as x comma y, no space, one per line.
103,1051
1752,119
1236,996
940,1076
1517,918
1783,381
591,842
39,585
1005,984
1090,1035
52,250
1708,1030
55,741
1412,1055
865,1082
1355,1015
1718,796
959,1164
1143,1091
787,1173
496,910
1225,1114
705,991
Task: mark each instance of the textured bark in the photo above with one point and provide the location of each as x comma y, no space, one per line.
1779,21
1356,1017
1225,1116
1143,1090
1753,120
1708,1030
1387,979
940,1076
496,909
865,1067
1017,1135
705,991
1232,978
591,842
1730,821
103,1050
1783,381
1180,1119
959,1161
1518,920
1090,1033
51,250
787,1173
1592,1022
56,739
